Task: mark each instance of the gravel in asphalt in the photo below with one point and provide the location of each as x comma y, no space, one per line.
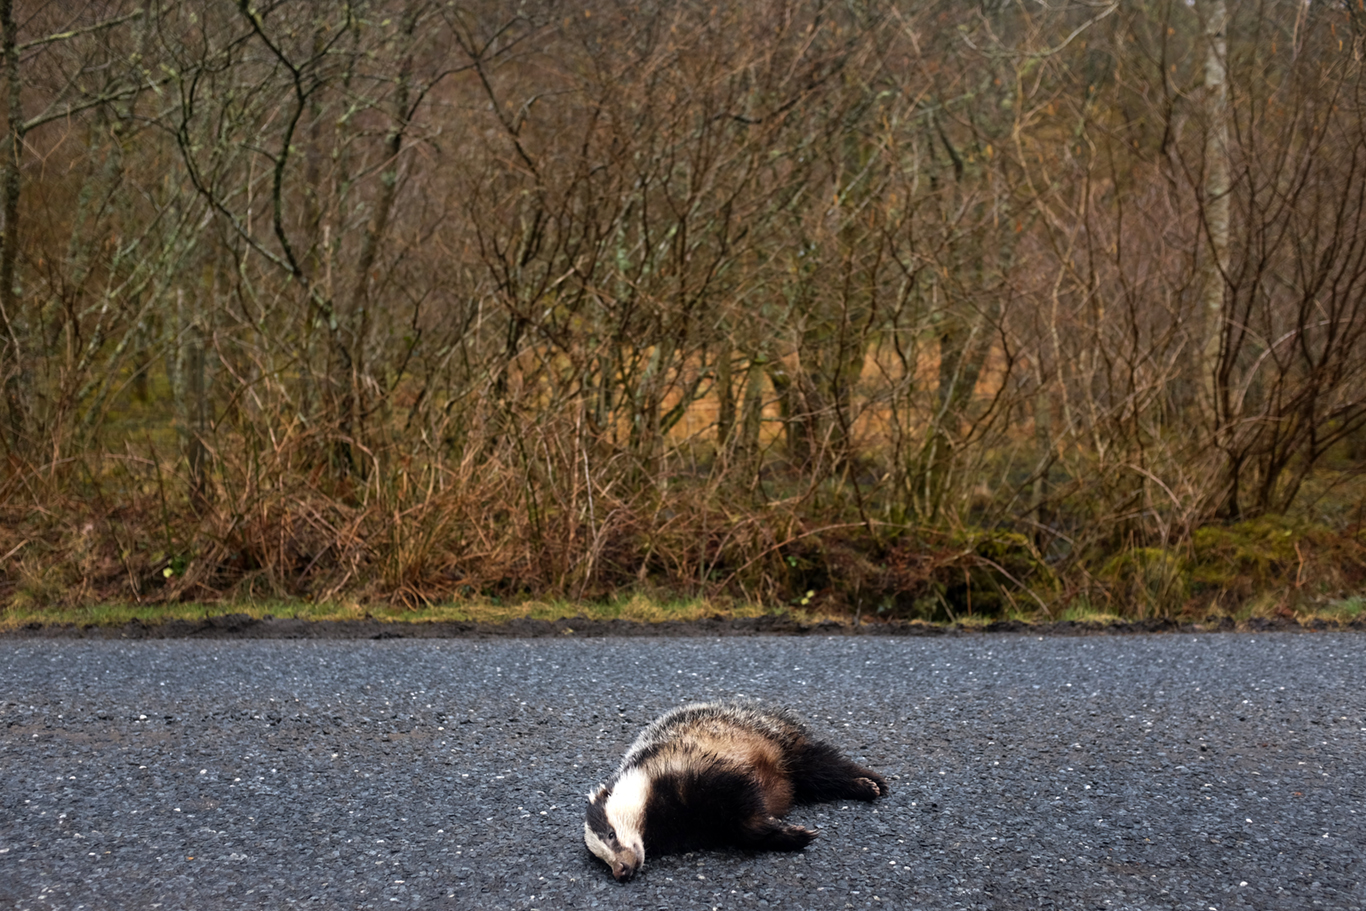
1218,771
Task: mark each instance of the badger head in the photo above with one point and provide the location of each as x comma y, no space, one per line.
613,828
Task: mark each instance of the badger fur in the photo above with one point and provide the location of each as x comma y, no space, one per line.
713,774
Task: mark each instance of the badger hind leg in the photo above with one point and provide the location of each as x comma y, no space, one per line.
773,834
820,772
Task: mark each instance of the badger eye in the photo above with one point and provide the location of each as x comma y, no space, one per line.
612,834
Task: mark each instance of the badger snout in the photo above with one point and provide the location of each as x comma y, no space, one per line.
625,865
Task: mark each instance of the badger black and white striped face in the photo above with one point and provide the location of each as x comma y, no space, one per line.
614,826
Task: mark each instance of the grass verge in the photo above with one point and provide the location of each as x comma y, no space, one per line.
637,607
645,609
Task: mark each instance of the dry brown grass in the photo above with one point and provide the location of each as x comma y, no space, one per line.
458,541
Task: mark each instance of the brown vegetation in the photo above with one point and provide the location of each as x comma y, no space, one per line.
923,310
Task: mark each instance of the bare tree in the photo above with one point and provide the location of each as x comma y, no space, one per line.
70,67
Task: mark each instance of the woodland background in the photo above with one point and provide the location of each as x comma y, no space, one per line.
923,308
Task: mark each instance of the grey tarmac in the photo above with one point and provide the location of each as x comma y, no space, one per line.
1173,771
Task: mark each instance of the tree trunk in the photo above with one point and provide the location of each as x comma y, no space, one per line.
1215,362
11,321
725,394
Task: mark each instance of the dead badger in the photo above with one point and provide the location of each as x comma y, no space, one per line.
717,773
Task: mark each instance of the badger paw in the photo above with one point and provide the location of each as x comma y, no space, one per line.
774,835
791,838
868,789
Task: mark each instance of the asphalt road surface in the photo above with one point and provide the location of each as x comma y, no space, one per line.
1200,772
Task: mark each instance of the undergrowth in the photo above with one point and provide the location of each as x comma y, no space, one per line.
124,538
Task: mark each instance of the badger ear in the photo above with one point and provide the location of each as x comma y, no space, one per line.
598,795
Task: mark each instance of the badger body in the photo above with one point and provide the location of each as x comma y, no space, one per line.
715,774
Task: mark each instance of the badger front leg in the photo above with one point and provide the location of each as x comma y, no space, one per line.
772,834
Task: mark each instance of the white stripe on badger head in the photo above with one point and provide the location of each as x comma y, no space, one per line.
596,845
626,809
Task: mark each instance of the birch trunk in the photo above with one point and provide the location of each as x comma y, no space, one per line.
1215,362
1214,264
